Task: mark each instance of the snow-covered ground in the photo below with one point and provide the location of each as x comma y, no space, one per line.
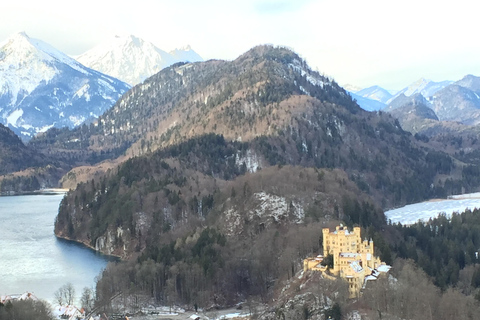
430,209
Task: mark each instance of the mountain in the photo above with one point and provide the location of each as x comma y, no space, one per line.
367,103
458,102
424,86
375,93
414,112
402,100
371,99
470,82
132,59
40,88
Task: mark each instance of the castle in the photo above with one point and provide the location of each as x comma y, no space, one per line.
353,259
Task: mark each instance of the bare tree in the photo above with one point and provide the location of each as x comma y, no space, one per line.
87,300
65,294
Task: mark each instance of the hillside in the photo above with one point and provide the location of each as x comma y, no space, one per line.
14,155
22,169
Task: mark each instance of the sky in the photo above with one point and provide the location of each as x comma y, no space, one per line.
363,43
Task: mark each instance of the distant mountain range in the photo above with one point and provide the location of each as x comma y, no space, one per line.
366,97
450,101
132,59
41,87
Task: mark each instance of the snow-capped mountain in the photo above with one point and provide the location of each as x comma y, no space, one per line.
132,59
424,86
367,103
40,87
375,93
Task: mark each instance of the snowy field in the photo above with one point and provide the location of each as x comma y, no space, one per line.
431,209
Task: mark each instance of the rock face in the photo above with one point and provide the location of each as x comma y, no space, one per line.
40,88
309,296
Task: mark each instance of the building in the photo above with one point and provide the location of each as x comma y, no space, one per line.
353,259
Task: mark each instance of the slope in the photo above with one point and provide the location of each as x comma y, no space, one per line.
14,155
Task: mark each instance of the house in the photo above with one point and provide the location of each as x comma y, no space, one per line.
353,259
70,312
18,297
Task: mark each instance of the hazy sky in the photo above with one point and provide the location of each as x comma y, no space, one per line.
389,43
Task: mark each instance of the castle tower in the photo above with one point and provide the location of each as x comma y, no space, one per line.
326,242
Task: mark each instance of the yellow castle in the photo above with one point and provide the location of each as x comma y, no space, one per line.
353,259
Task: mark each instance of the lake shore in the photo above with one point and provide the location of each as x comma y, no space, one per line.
46,191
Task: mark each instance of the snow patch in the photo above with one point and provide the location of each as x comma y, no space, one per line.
251,160
83,92
45,128
14,116
276,207
76,120
297,66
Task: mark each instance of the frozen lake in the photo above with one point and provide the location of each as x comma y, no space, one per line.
430,209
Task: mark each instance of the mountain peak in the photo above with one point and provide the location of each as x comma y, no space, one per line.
271,52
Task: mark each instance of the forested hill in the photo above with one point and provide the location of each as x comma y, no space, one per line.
205,230
14,155
22,168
